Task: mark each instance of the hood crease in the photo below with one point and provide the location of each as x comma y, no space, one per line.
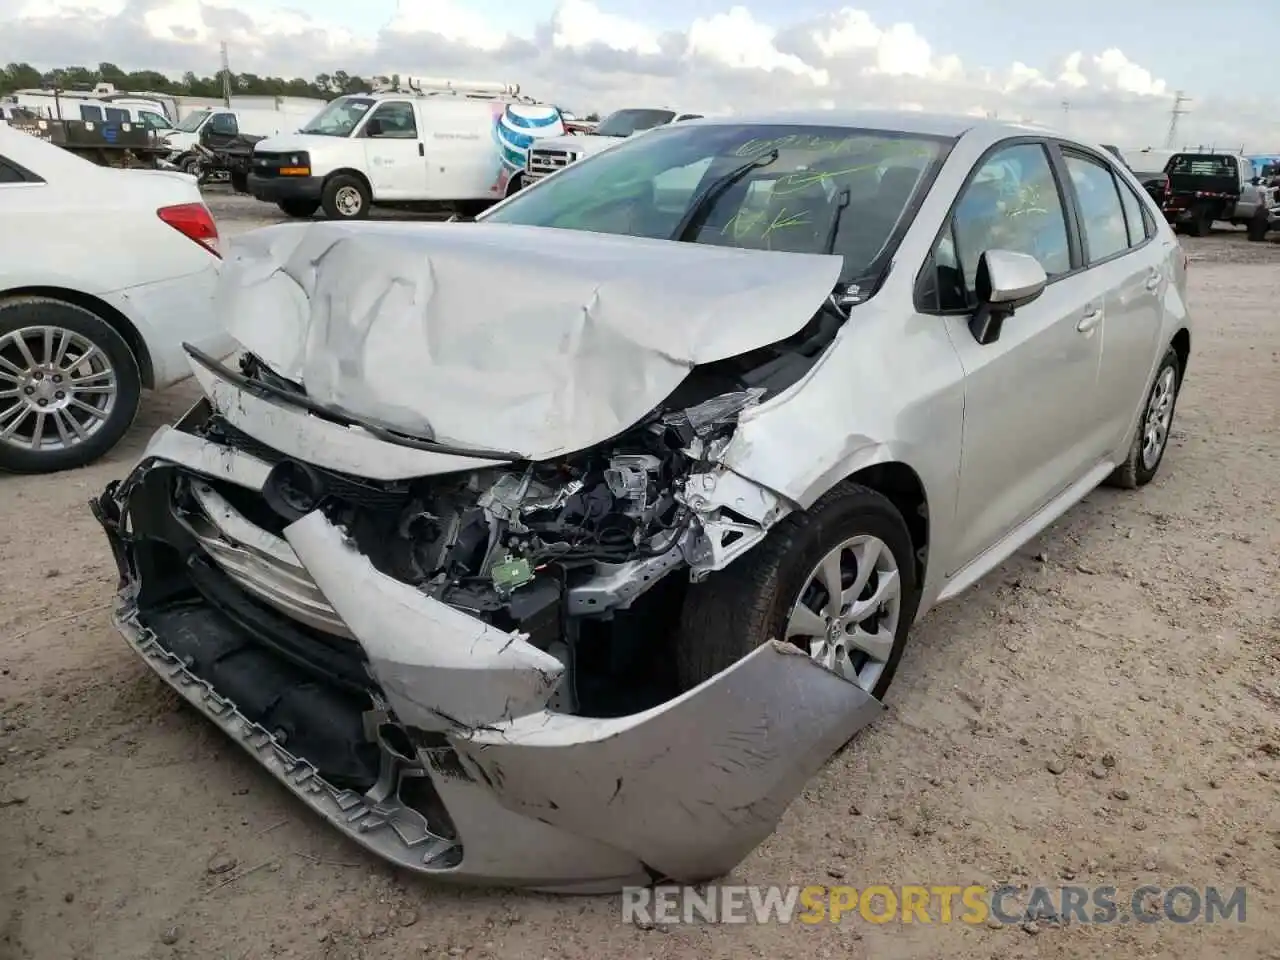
537,340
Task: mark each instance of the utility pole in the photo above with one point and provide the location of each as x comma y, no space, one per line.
226,77
1175,114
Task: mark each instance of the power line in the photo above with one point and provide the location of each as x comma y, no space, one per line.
1174,115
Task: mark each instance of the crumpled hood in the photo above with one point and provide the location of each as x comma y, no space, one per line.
532,340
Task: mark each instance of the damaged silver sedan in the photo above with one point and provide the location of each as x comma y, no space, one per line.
559,549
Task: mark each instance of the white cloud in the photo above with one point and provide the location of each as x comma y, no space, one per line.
736,39
580,24
588,58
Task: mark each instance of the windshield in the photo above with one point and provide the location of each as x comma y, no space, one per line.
192,122
339,118
813,189
626,122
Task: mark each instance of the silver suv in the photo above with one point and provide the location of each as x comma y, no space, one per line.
560,548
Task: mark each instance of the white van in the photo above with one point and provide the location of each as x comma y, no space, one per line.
233,122
449,144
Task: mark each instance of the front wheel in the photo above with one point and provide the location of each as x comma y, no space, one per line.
345,198
1151,437
838,581
69,386
1259,225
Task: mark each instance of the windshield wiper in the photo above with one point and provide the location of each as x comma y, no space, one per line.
842,201
713,191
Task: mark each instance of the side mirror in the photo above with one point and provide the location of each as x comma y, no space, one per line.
1256,181
1005,281
373,128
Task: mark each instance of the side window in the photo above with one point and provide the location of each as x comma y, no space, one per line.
153,120
12,173
88,112
224,125
1011,204
392,121
1101,215
1135,217
116,115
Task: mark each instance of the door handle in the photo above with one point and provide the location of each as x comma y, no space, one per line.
1090,319
1153,281
422,151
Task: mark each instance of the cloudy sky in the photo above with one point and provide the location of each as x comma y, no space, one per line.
1117,63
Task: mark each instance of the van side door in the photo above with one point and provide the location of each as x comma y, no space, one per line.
395,157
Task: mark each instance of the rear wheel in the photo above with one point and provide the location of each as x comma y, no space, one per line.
240,182
345,198
838,581
1201,222
299,208
69,386
1151,437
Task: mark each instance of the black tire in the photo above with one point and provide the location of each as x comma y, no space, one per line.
1259,225
1201,223
299,208
1133,473
188,166
336,188
21,312
515,184
240,181
742,606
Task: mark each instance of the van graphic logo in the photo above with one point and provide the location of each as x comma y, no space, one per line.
515,129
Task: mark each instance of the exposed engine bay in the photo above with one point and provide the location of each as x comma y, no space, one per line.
561,551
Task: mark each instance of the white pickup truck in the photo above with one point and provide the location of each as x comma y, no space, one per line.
556,153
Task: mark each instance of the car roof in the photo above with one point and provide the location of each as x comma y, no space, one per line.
41,157
904,121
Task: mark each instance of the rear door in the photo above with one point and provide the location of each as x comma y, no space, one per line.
395,158
1130,260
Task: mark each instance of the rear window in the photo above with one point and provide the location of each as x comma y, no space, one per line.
1201,165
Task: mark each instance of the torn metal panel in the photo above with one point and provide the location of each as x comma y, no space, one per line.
505,337
210,459
691,786
440,668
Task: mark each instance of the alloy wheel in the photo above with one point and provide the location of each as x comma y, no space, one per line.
57,388
848,610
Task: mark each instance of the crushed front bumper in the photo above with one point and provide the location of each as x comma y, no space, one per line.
468,774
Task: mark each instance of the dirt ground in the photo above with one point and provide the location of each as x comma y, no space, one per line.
1133,647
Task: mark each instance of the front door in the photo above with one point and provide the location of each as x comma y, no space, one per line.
395,157
1030,412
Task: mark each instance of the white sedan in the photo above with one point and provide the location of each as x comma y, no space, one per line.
103,274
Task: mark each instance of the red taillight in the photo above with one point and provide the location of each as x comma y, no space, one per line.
193,220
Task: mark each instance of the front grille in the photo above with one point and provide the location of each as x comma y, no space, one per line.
354,490
543,162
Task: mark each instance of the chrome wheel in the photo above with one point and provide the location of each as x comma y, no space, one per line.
57,388
848,610
1158,417
348,201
